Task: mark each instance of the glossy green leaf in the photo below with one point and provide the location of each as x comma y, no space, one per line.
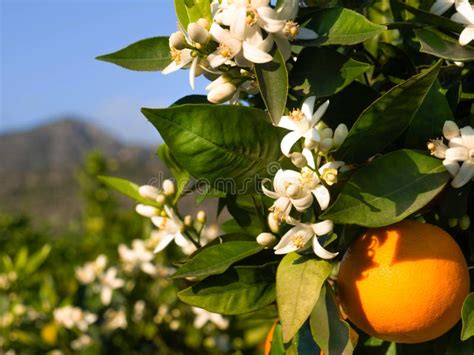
243,209
127,188
272,79
338,25
389,189
241,289
151,54
217,259
429,120
230,146
181,13
298,282
278,347
324,72
198,9
468,317
330,332
387,118
443,46
426,17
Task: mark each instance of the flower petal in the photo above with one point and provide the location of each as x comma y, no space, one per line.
322,196
457,153
268,192
267,19
464,8
255,55
192,72
238,25
289,141
287,123
451,166
323,228
165,239
284,46
313,134
464,175
321,252
319,113
308,107
309,157
467,135
303,203
306,34
441,6
466,36
180,240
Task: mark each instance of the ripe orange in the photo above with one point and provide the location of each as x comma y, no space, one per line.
404,283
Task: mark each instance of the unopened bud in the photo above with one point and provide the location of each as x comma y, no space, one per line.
452,222
163,214
204,23
450,130
326,133
464,222
169,187
177,40
310,144
161,199
201,217
273,223
326,144
266,240
147,211
148,191
198,33
340,134
221,93
188,221
298,160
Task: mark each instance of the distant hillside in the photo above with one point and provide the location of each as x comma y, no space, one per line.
38,167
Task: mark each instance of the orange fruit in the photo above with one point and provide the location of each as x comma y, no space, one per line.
404,283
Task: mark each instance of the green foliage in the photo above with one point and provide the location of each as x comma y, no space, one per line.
442,46
389,189
468,317
219,142
298,284
151,54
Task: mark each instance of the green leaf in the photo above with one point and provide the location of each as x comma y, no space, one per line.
443,46
239,290
272,79
182,176
429,120
243,209
298,282
329,331
217,259
339,25
432,19
198,9
127,188
324,72
37,259
151,54
389,189
181,13
278,347
468,317
230,146
386,119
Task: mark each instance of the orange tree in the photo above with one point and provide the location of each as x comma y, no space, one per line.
342,116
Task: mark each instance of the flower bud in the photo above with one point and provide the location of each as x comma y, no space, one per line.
198,33
310,144
340,134
147,211
452,222
266,240
450,130
169,187
161,199
149,192
298,160
177,40
326,144
201,217
293,191
273,223
204,23
464,222
326,133
221,93
188,221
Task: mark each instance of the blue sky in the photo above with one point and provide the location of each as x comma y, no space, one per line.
48,69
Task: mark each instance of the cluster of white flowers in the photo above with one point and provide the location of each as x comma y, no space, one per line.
203,317
241,33
464,14
107,280
298,189
137,257
458,155
73,317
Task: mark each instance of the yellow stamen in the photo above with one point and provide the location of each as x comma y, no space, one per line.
297,115
225,51
291,29
175,55
298,241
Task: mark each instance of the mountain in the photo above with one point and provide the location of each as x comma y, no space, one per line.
38,169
